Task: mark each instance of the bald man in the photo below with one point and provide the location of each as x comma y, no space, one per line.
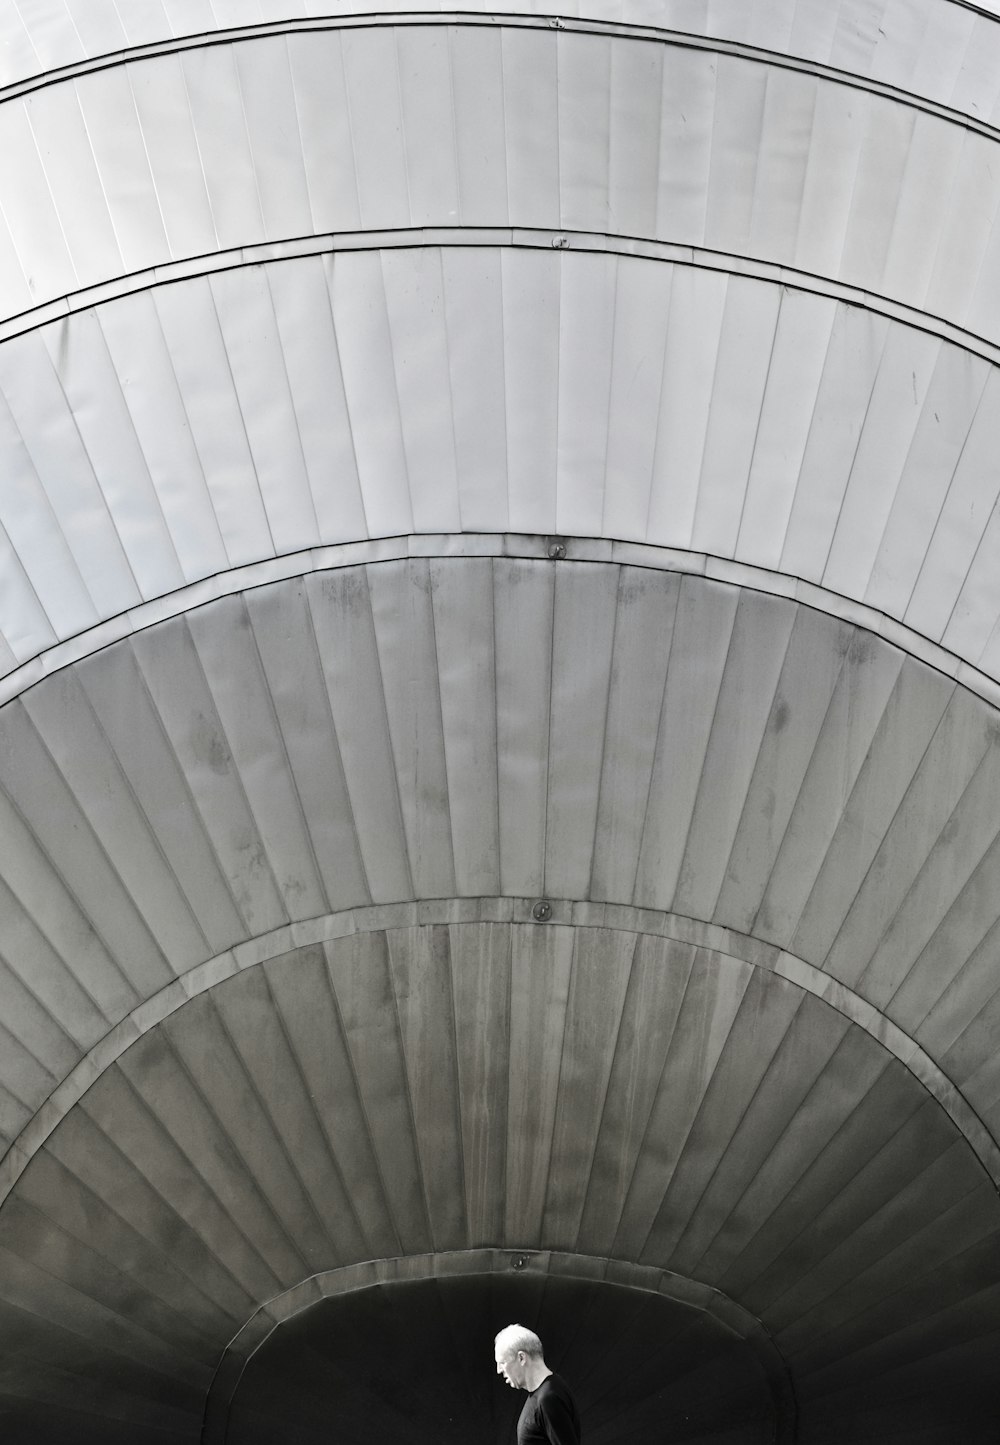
549,1415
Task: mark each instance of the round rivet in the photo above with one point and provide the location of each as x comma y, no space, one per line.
557,551
542,911
560,242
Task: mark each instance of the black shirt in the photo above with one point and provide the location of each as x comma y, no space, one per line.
550,1416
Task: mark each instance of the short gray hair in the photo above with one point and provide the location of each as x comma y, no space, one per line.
516,1338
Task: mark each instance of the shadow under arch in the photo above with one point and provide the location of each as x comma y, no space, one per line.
729,1318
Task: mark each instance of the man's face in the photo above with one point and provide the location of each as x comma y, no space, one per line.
511,1366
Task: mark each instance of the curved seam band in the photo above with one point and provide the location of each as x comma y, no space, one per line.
461,1263
680,39
376,918
528,546
532,238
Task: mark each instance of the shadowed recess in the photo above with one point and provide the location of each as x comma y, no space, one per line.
413,1361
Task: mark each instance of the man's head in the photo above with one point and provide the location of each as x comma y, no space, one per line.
518,1355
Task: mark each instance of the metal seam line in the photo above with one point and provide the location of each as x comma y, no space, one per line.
681,39
498,909
676,253
529,546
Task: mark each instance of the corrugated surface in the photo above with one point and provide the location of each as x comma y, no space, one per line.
168,436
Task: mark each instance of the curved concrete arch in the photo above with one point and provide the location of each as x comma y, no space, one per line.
503,909
474,544
691,1293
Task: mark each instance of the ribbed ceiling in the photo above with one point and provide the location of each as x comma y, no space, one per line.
499,757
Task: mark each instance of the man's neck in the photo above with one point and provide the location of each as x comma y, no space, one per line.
535,1373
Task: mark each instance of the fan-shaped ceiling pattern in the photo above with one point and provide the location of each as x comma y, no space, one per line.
499,758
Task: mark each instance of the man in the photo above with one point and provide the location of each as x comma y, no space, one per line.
549,1416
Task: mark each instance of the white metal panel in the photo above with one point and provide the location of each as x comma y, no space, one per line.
967,507
864,685
429,123
789,103
87,762
160,97
949,911
345,635
240,693
816,650
189,718
35,395
415,307
857,342
646,605
155,777
304,995
117,1116
539,997
602,967
376,126
480,137
255,360
697,313
29,209
361,324
636,101
530,90
955,392
711,1003
296,687
919,697
324,124
641,323
34,786
746,346
836,139
523,603
472,286
686,139
531,350
876,197
52,582
801,343
699,646
190,325
894,412
970,218
49,950
901,871
923,211
300,295
422,969
462,599
265,85
737,129
757,651
220,127
403,618
112,121
94,395
587,297
583,89
140,351
583,626
65,146
359,972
